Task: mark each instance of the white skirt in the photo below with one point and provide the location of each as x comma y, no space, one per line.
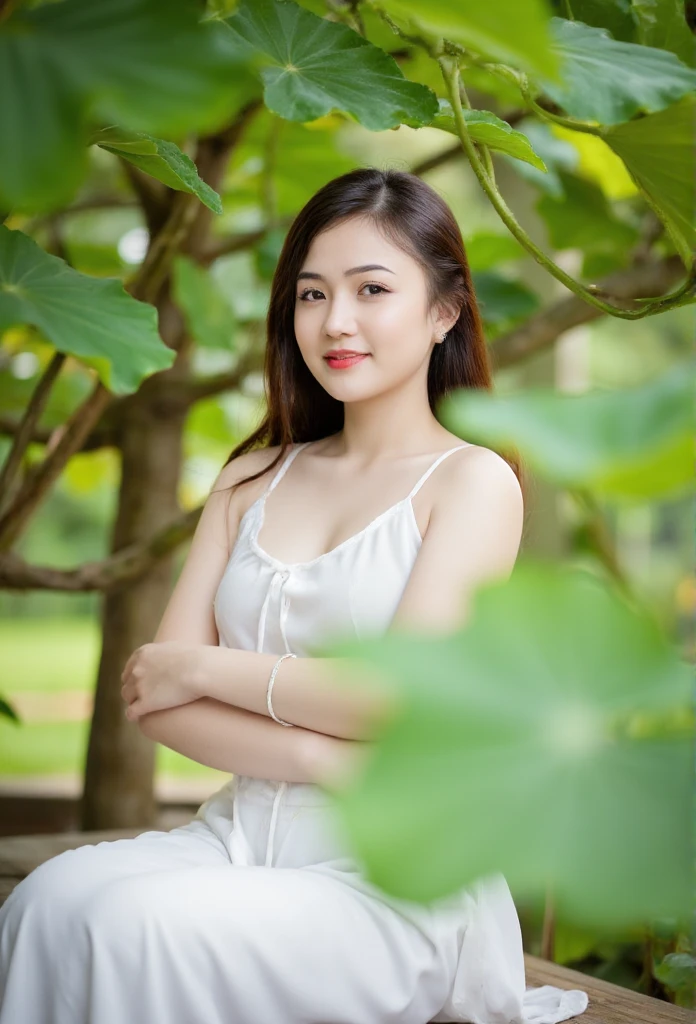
163,928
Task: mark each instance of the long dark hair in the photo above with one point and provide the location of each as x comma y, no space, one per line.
412,216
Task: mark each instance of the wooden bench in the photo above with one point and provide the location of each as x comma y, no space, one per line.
609,1003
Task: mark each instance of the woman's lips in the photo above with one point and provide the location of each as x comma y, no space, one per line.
343,362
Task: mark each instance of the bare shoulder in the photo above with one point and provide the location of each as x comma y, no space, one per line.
246,465
479,472
238,499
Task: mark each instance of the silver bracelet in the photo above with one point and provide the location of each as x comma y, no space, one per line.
270,688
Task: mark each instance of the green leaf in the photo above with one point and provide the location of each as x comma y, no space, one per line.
609,81
160,159
308,155
311,67
658,151
152,66
561,757
95,320
488,129
502,302
209,316
7,711
662,23
678,972
583,219
556,153
512,31
632,445
487,249
614,15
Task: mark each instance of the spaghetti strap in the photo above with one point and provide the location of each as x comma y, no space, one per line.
284,466
434,466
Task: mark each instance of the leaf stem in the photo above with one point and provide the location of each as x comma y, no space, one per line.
449,67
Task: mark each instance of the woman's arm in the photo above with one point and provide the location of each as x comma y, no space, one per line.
473,536
241,742
215,734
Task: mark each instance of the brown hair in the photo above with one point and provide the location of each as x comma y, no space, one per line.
414,217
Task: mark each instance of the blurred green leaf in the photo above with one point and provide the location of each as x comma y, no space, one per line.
160,159
93,319
658,151
209,315
631,445
502,302
662,23
487,249
153,66
583,219
512,31
560,757
556,153
307,157
615,15
488,129
677,971
310,67
7,711
609,81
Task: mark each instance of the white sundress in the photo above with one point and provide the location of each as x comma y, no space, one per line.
256,911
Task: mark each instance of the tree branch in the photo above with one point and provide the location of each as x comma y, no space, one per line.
542,329
64,442
27,425
120,569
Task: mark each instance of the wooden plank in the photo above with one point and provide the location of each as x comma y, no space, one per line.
609,1003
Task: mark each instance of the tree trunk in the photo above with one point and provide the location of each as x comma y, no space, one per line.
119,771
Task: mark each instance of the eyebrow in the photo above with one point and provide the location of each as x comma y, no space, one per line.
353,270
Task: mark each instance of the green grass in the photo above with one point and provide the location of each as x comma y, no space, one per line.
50,655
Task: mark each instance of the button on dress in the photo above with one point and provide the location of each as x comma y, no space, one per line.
256,911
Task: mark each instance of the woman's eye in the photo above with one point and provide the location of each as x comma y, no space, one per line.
309,291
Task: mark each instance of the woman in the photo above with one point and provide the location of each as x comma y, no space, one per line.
386,521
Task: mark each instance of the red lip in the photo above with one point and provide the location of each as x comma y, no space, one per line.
338,352
343,362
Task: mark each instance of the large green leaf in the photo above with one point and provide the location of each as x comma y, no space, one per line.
153,66
311,67
662,23
549,740
93,319
488,129
633,445
658,151
615,15
209,316
512,31
608,81
160,159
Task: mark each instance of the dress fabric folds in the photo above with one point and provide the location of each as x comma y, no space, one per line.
256,911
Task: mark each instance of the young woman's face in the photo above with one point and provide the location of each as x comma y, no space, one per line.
358,291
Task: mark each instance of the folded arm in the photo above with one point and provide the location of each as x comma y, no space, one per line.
240,742
473,536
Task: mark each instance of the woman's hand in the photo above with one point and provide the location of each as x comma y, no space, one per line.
161,675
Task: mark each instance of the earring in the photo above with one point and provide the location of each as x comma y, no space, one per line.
443,336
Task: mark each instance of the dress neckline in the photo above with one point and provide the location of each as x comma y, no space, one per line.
406,502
